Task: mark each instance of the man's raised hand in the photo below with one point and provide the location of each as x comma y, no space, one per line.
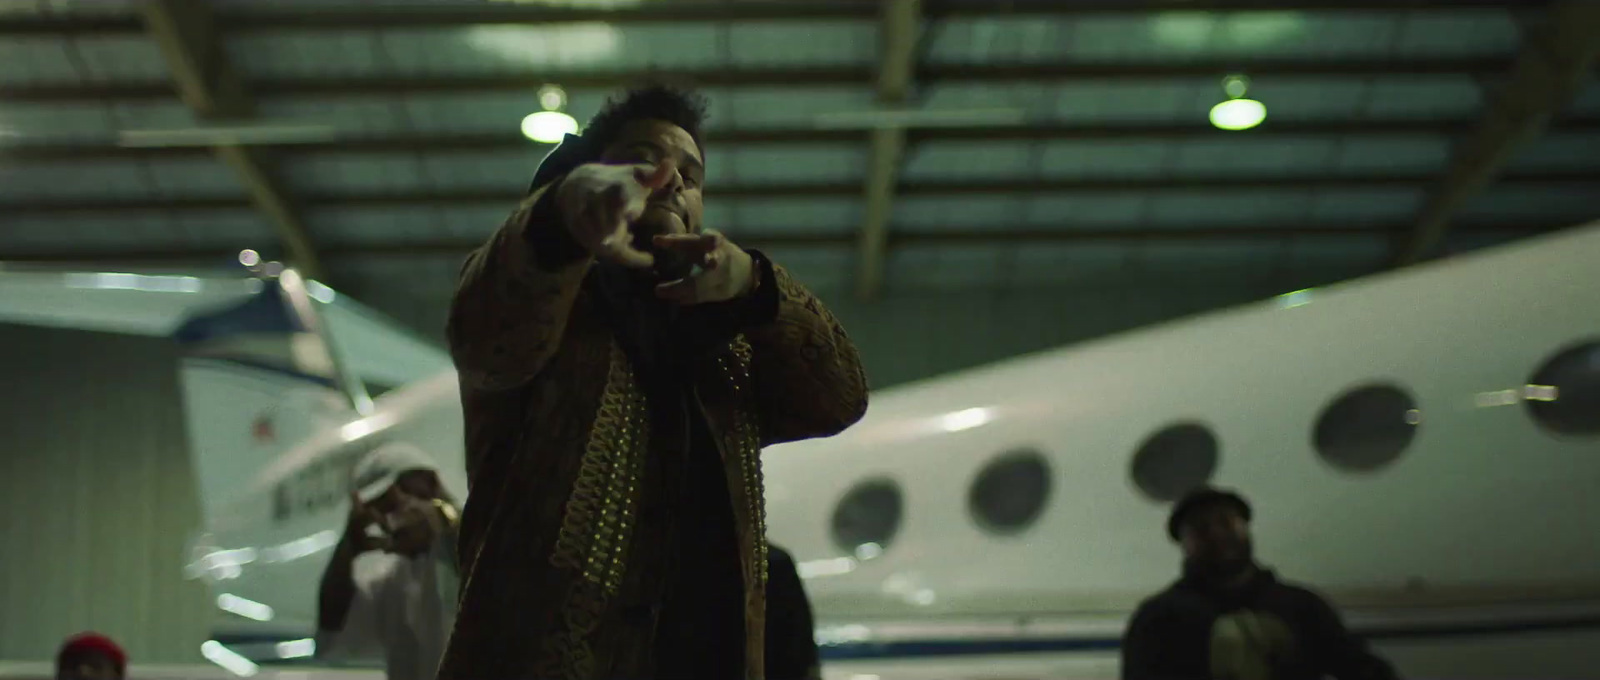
362,516
599,202
725,271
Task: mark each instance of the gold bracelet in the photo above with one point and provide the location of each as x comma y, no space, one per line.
451,518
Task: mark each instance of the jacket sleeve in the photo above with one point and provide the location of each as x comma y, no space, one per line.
514,296
1147,646
807,374
1341,653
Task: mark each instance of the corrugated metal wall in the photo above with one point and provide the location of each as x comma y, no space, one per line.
907,337
97,495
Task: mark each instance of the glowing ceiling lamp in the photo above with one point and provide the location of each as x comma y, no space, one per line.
550,125
1237,113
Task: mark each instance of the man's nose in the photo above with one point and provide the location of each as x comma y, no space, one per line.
674,180
669,191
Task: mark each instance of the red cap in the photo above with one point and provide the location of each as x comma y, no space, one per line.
84,643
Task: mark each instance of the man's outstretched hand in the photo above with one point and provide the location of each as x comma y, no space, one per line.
599,202
724,271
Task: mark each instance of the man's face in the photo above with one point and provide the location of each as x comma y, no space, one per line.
1216,535
411,485
407,510
88,666
676,207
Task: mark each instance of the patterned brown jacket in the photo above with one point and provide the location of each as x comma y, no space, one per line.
561,537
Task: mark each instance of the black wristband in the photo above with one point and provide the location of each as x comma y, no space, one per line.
761,307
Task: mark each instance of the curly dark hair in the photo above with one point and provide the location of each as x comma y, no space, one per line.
675,104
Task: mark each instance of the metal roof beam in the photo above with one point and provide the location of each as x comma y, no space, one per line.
186,33
456,248
1554,64
941,9
468,143
265,19
900,29
835,76
1582,179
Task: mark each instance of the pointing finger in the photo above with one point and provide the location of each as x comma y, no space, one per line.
692,243
657,177
636,259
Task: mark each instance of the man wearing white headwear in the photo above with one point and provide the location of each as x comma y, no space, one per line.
390,589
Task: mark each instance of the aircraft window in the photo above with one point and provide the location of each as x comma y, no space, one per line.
868,518
1367,428
1564,394
1010,492
1175,461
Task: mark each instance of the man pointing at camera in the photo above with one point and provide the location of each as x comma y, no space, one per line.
621,367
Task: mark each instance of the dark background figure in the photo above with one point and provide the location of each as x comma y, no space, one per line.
91,656
1229,618
791,631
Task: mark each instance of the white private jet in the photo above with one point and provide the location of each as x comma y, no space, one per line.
1422,446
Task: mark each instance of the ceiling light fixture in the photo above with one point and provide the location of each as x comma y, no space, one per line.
1237,113
549,126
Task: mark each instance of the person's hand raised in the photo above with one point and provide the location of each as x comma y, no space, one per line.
723,270
413,526
362,516
599,202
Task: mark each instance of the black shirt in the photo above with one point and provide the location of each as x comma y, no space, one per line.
700,630
1264,629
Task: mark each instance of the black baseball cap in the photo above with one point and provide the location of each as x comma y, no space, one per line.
1201,498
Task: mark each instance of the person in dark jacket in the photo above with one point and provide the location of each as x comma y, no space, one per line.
791,645
1229,618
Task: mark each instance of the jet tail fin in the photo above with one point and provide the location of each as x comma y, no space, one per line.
255,381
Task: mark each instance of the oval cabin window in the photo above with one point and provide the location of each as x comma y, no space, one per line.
1563,396
1010,492
1174,461
867,518
1367,428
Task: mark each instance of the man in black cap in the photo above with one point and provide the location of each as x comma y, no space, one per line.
1228,617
